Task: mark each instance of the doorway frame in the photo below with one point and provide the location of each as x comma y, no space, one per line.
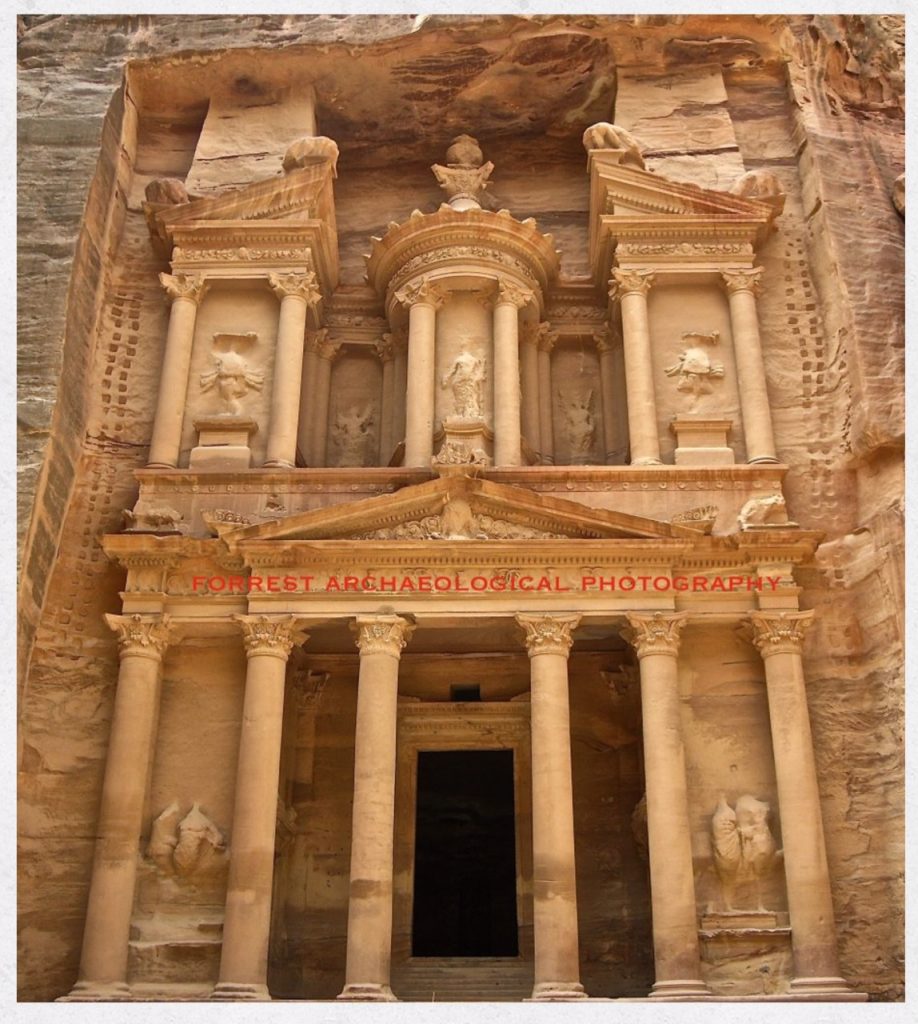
448,725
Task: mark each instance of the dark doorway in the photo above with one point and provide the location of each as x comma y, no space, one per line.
465,855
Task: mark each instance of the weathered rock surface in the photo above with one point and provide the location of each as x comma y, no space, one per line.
817,101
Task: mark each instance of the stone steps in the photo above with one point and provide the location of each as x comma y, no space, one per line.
462,979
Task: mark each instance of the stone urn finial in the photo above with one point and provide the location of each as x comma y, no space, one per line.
465,176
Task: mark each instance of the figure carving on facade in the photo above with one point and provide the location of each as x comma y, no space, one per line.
188,845
465,379
744,848
456,453
231,377
153,519
352,431
465,176
579,422
768,510
695,369
604,135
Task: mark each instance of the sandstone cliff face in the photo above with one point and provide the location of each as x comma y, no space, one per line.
107,103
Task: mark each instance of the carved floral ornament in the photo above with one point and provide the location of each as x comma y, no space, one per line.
273,635
548,634
421,292
630,282
184,286
655,634
140,636
302,286
513,295
780,632
382,634
743,280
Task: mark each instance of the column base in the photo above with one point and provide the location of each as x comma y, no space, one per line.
98,992
647,462
278,464
826,989
688,988
556,992
231,992
368,994
764,459
161,465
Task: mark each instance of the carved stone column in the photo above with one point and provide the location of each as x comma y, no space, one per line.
385,349
186,291
742,288
297,292
400,344
529,375
142,641
606,347
510,299
326,353
423,300
672,887
632,287
380,639
247,921
779,637
557,956
546,342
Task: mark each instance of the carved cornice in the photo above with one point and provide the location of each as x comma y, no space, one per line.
548,634
140,636
272,635
742,280
184,286
302,286
654,634
421,292
630,282
382,634
780,632
512,295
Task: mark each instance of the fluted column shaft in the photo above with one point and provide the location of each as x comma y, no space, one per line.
297,292
546,342
510,299
326,353
423,300
104,958
380,639
632,287
742,287
779,638
186,291
385,349
529,374
554,881
677,960
247,920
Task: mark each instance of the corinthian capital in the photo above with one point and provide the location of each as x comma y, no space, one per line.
779,632
303,286
318,342
382,634
655,634
513,295
140,636
607,339
274,635
423,291
548,634
743,280
184,286
630,282
545,336
385,348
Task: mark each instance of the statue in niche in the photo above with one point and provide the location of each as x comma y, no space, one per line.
466,379
695,369
579,423
352,433
744,849
231,377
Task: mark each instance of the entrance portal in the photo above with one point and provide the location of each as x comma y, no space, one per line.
465,859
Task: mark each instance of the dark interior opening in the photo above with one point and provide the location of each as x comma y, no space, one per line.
465,855
465,693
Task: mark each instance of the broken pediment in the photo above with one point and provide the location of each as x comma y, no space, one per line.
457,508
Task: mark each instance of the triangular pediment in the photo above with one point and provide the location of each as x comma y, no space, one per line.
455,509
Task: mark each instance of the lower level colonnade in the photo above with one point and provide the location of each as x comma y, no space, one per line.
380,641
